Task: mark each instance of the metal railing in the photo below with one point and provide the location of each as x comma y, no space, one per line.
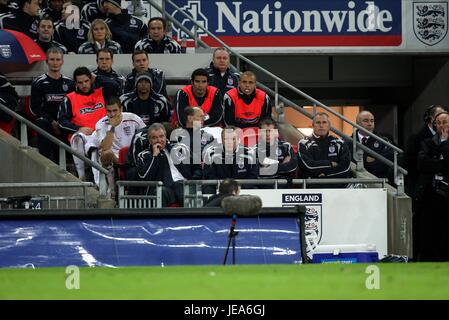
131,201
338,181
399,172
48,198
24,123
196,200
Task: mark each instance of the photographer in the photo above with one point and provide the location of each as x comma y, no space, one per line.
433,193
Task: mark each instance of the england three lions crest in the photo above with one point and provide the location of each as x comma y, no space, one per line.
430,21
313,217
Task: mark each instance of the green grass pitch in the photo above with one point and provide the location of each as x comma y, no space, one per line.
327,281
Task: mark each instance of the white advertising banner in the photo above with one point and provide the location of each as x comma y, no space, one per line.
336,216
328,26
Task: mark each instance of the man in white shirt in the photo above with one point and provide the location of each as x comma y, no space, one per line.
112,133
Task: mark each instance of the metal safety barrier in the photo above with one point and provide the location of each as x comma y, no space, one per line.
44,201
135,201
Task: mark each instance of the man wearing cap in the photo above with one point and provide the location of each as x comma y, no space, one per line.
107,78
141,63
143,101
200,94
158,41
126,29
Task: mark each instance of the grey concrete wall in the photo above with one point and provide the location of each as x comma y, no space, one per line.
399,211
18,164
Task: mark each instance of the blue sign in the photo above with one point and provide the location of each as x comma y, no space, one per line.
296,23
139,242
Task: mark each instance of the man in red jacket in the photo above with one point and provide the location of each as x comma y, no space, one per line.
79,113
198,94
246,105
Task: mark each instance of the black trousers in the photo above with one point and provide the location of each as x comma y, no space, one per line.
47,148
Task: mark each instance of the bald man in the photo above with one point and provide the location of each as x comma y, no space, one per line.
366,120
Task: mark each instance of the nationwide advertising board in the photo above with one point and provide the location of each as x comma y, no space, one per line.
320,25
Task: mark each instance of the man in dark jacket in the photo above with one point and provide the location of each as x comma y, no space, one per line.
414,143
322,155
410,163
126,29
24,19
366,120
9,98
276,158
229,159
152,107
47,93
141,63
220,75
112,82
164,162
157,40
228,188
46,30
433,193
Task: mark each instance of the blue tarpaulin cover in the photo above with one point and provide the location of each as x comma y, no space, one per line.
152,241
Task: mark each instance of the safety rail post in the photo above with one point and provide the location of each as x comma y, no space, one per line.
195,36
357,152
103,185
276,92
159,194
23,135
199,195
187,203
164,12
62,159
280,111
121,193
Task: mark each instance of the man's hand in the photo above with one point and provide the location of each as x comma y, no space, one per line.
444,133
86,130
334,164
115,121
156,149
286,159
370,159
55,126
